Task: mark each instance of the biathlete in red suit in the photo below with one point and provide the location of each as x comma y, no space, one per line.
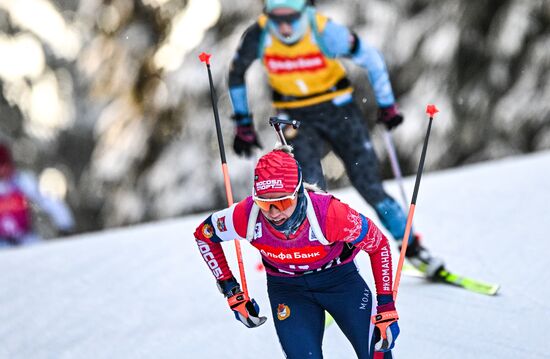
307,241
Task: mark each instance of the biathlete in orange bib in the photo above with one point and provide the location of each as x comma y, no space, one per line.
300,50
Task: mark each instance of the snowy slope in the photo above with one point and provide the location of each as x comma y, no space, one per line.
144,292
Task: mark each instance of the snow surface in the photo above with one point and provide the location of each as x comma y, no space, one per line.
144,292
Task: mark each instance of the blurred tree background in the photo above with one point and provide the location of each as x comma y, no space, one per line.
107,102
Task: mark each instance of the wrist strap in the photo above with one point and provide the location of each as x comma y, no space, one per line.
383,317
237,303
384,320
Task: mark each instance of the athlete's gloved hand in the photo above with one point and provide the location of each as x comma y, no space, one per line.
386,328
246,310
390,116
245,136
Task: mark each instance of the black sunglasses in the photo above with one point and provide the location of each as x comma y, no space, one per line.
287,19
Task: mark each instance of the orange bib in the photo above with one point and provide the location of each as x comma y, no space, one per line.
301,74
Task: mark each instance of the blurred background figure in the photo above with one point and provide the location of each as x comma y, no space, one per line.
18,192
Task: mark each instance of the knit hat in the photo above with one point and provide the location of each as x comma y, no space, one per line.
297,5
276,171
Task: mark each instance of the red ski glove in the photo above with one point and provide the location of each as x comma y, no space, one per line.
390,116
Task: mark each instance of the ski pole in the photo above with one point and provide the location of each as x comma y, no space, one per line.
430,110
276,123
396,169
204,57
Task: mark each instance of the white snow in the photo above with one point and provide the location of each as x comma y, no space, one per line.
144,291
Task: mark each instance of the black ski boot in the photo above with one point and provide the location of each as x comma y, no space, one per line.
422,260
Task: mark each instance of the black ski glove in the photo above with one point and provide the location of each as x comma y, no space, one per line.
390,116
245,136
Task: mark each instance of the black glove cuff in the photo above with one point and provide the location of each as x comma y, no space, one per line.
229,287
